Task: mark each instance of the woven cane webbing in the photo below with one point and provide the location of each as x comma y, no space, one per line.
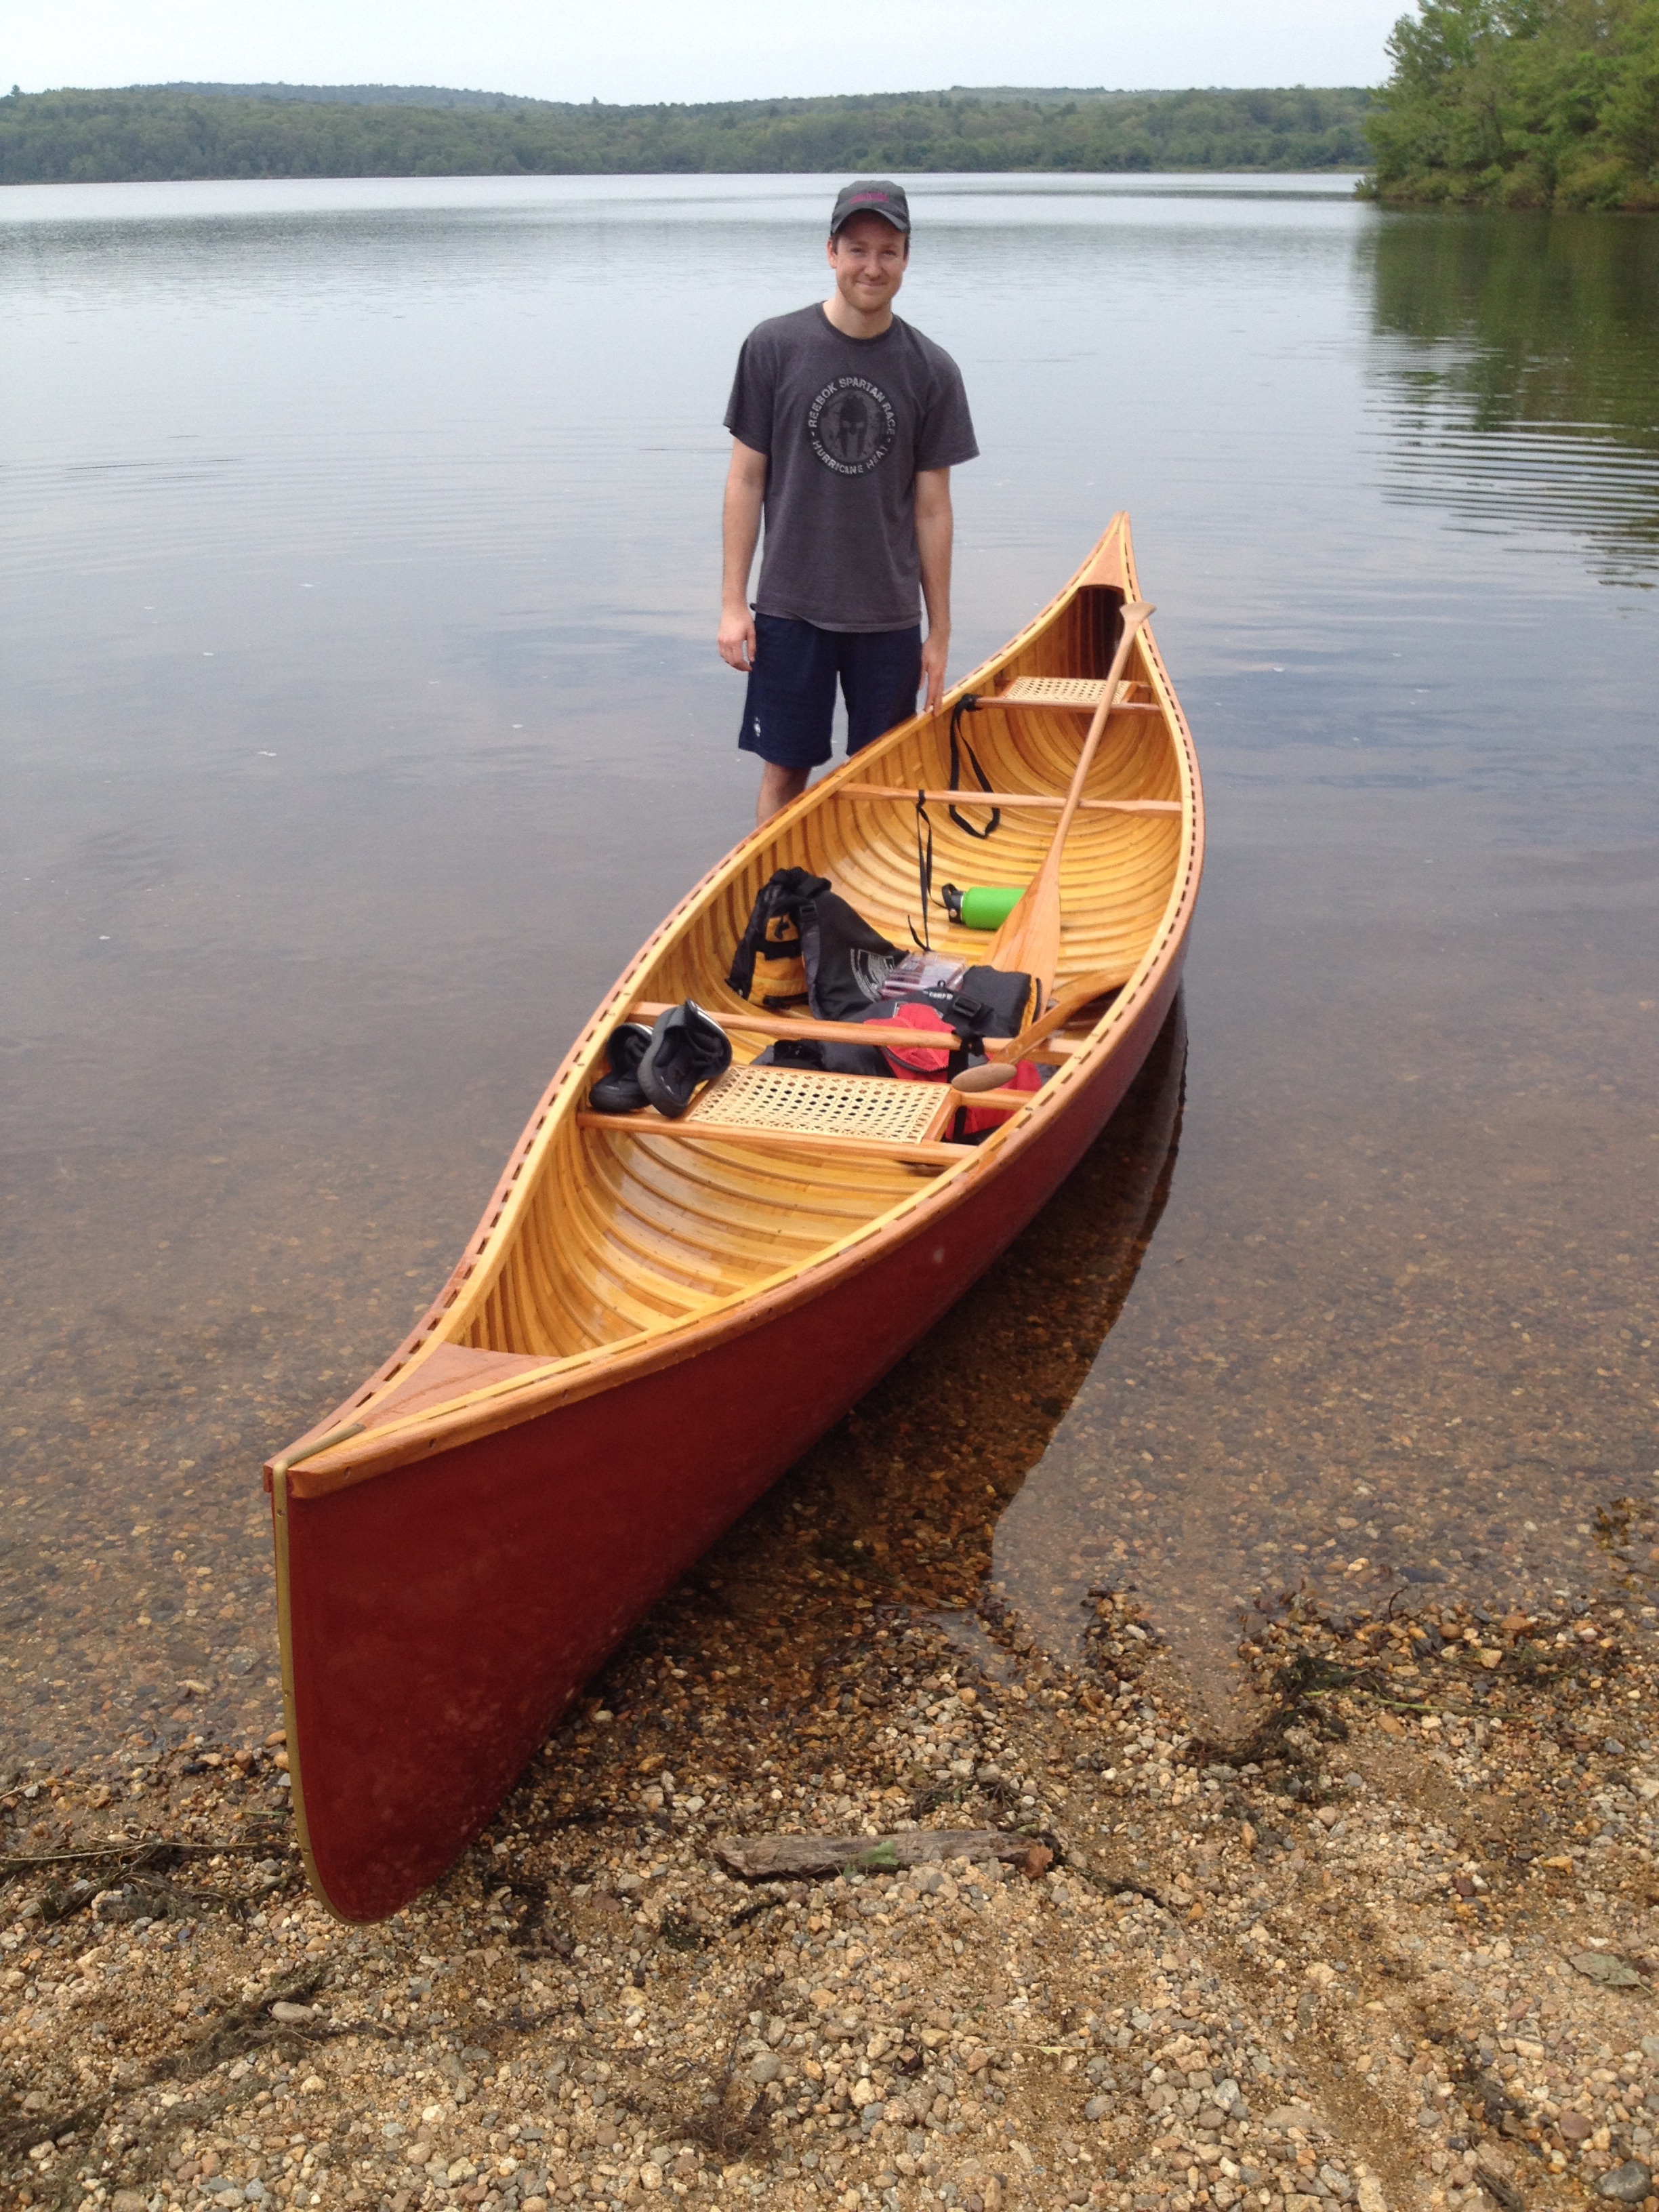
809,1104
1055,691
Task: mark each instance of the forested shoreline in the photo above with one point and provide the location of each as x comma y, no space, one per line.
1521,104
1524,104
160,133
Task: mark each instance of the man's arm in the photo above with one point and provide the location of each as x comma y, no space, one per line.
745,490
934,527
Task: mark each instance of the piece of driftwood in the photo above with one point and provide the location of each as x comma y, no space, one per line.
786,1858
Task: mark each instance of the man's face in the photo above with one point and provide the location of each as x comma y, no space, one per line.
868,257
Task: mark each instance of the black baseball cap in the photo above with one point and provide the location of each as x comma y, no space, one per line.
873,196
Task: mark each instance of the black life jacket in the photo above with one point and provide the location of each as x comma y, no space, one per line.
767,968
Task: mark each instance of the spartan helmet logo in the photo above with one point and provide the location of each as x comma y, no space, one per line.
852,426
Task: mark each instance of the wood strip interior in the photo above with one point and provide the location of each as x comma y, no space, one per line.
624,1225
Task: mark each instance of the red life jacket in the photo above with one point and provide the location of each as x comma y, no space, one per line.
929,1063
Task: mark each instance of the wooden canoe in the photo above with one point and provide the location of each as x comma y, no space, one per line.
649,1326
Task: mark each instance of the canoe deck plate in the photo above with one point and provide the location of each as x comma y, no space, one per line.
810,1104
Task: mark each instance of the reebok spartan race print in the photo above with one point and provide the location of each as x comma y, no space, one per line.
846,425
852,426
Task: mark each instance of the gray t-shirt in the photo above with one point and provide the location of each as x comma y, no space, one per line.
845,424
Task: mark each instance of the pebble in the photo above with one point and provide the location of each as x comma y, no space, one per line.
1628,2184
1613,1973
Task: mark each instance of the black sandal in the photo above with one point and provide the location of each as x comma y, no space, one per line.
619,1091
686,1049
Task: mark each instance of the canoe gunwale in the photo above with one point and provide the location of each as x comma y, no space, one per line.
566,1379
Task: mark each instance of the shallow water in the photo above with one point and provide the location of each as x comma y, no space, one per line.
357,569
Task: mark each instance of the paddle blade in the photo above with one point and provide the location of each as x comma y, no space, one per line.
988,1075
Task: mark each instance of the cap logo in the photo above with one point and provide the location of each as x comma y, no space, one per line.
878,196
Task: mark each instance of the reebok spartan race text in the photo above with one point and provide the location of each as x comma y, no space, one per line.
852,426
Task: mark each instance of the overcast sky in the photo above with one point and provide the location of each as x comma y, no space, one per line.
650,50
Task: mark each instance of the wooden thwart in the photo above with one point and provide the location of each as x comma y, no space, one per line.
784,1025
784,1858
1008,799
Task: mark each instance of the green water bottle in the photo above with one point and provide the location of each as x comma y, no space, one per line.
982,906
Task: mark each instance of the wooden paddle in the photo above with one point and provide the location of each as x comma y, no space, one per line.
1030,939
1072,1000
1076,995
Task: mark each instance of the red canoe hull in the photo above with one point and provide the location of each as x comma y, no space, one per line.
442,1617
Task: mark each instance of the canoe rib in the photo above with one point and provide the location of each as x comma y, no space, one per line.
451,1572
919,1152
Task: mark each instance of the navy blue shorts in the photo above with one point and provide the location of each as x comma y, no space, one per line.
791,687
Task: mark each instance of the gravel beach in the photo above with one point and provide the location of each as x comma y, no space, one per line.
1394,1946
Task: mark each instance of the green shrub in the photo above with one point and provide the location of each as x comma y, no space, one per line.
1596,181
1528,185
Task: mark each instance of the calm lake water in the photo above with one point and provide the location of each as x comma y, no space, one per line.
358,568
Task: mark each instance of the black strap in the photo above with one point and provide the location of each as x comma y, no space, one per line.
923,871
965,705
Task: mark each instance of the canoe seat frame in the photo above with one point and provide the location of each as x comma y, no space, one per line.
816,1103
1075,694
794,1108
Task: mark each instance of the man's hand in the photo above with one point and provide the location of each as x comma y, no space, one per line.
736,639
935,651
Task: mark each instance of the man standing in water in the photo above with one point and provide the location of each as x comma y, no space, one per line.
845,423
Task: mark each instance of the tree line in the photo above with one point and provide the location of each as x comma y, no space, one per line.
1521,104
158,133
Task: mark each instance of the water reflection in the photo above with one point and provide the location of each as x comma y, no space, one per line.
1520,389
974,1411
